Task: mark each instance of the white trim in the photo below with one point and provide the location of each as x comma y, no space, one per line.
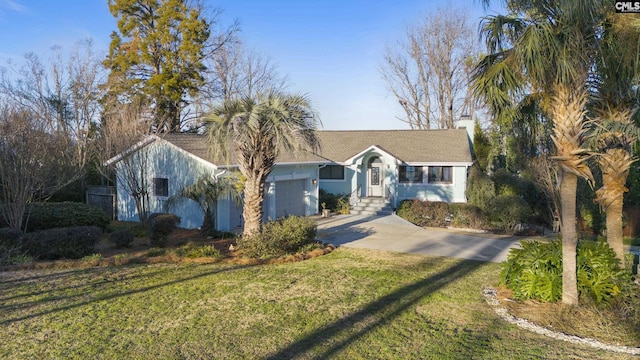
153,138
370,148
133,148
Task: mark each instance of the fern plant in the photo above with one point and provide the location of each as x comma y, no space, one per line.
535,272
599,273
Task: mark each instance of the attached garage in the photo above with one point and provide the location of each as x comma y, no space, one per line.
291,197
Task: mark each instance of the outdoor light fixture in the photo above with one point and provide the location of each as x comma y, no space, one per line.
314,182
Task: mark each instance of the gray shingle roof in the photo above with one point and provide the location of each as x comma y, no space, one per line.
410,146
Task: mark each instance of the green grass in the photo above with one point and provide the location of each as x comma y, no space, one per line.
349,304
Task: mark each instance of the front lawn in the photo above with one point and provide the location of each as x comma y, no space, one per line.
349,304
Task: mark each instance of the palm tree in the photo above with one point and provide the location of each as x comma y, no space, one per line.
256,130
614,140
614,133
544,50
206,191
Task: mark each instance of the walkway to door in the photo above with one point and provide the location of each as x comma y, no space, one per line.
392,233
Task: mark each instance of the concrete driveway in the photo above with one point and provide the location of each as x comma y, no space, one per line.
392,233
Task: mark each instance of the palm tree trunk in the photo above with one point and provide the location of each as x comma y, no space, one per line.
207,222
614,229
568,186
615,164
252,211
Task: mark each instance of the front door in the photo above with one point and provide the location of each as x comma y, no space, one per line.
374,178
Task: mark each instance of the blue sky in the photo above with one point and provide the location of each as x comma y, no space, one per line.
330,49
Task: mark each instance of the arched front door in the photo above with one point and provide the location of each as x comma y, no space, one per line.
375,177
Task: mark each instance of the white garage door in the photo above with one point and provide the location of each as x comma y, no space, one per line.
291,198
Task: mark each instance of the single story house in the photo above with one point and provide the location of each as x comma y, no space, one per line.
387,165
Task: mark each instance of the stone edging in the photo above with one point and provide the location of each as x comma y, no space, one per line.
491,298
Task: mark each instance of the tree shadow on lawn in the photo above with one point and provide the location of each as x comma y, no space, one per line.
112,296
348,330
95,278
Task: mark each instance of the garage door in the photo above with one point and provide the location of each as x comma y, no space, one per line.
291,198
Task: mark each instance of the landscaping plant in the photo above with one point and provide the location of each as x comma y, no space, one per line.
62,243
535,272
284,236
161,225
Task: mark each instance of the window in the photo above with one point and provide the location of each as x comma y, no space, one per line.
332,172
440,174
410,173
161,187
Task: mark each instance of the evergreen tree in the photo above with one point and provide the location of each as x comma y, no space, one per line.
157,54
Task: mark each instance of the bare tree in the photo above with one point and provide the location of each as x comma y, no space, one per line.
123,133
545,176
34,163
238,73
63,94
429,71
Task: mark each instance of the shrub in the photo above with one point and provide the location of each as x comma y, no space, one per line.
10,247
66,214
424,213
343,207
10,237
505,211
121,238
161,225
193,250
153,252
535,272
507,183
599,273
468,216
70,242
281,237
480,188
333,202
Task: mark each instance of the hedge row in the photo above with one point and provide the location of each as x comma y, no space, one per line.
49,215
503,213
62,243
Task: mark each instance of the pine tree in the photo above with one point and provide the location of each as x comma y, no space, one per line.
157,55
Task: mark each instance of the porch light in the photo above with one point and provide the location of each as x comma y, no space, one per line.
314,181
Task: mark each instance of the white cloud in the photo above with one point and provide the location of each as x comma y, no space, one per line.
12,6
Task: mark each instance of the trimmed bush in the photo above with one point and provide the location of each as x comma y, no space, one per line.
535,272
467,216
68,243
425,213
51,215
161,225
10,247
505,211
284,236
121,238
10,237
